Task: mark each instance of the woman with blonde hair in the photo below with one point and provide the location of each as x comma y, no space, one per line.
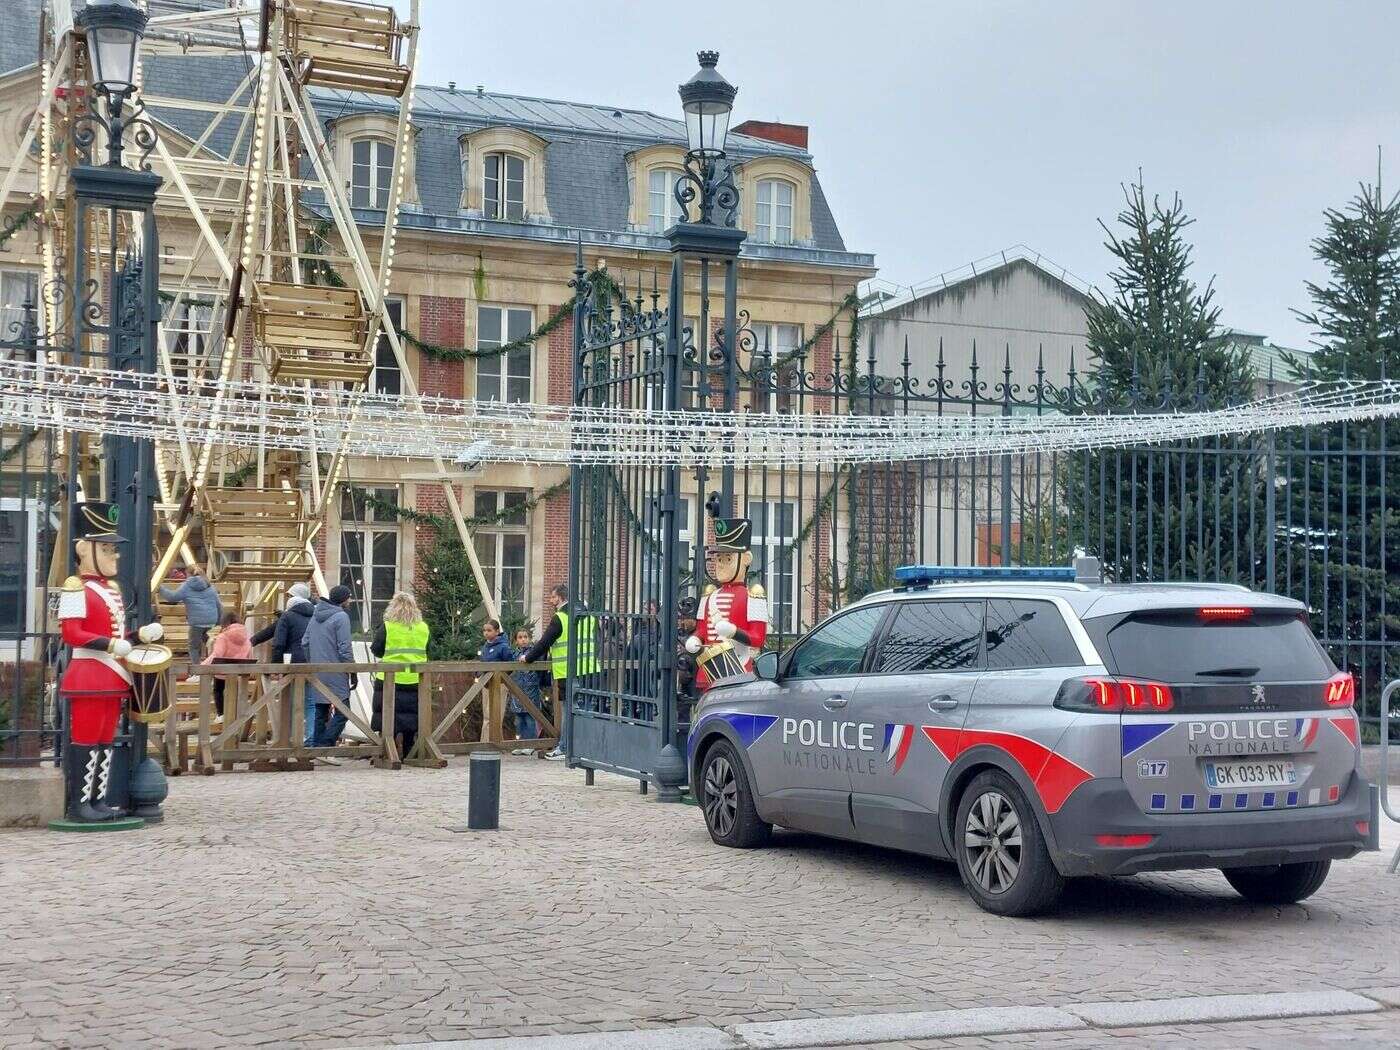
401,639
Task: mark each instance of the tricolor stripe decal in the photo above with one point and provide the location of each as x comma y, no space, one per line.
898,737
1346,725
1054,776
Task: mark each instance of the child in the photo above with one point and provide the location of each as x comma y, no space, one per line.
231,646
526,728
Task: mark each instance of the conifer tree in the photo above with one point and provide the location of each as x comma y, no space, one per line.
1153,345
1342,531
450,599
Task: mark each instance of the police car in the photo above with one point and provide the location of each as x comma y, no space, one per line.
1037,724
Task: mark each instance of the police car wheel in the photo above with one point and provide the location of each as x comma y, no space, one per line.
1001,852
727,801
1278,883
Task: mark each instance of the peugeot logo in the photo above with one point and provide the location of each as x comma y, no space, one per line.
1257,693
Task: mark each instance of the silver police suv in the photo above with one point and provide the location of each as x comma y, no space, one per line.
1037,724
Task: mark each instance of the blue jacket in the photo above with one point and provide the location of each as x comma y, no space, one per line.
327,641
500,650
201,601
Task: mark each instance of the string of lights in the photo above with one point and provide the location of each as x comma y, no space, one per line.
259,416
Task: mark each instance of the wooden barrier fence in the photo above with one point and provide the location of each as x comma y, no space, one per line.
263,722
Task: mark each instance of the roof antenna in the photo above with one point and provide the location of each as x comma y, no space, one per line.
481,89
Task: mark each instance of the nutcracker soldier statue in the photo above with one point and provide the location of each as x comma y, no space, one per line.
732,620
96,682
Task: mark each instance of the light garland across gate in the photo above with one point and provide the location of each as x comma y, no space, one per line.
257,415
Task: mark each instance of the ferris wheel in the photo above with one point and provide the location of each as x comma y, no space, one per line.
278,280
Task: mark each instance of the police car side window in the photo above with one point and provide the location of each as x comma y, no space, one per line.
1028,634
932,636
837,647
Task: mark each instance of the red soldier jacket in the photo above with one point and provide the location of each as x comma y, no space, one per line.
746,609
92,614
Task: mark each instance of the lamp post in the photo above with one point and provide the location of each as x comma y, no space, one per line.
113,316
708,235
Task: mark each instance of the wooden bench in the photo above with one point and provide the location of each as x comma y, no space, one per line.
312,331
352,46
270,524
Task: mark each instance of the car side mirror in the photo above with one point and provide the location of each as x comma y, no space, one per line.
765,666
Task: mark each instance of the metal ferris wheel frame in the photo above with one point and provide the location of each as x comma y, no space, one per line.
254,212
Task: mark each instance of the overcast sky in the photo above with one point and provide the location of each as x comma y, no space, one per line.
945,132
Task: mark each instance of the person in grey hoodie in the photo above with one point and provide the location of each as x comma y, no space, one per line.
327,641
203,610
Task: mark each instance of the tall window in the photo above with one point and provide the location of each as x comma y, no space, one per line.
663,210
503,377
774,529
387,378
773,212
651,566
189,324
20,558
369,552
503,180
371,170
503,547
773,389
17,287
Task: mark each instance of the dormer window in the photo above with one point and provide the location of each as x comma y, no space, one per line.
664,211
773,211
503,185
371,173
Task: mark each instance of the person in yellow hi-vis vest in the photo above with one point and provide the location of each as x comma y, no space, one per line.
555,642
401,639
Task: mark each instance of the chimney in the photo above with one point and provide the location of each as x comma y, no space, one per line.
775,131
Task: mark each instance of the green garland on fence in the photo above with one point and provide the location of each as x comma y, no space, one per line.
26,439
850,302
437,521
18,223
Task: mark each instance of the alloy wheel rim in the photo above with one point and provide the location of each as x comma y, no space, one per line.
992,841
721,796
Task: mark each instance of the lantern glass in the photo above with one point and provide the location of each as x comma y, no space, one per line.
707,126
112,50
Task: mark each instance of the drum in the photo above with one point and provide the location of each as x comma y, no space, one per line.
150,688
720,661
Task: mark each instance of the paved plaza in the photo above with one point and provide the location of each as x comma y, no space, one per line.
335,908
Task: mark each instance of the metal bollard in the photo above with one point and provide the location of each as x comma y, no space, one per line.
484,791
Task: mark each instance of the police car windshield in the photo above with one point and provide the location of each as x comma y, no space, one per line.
1178,646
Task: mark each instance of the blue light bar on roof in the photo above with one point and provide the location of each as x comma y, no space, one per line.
918,575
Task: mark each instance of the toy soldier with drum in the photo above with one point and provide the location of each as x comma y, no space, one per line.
98,679
732,620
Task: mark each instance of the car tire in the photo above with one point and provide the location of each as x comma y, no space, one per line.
1278,883
727,801
1007,870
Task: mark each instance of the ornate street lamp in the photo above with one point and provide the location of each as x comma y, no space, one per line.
706,239
113,310
114,30
707,100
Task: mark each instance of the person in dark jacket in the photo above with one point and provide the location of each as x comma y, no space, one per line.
642,661
203,610
526,728
286,631
327,641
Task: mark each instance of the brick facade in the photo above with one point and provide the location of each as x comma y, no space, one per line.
442,320
555,511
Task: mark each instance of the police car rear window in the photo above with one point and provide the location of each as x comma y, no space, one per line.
1181,647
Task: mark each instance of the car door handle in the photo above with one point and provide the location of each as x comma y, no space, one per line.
943,702
831,703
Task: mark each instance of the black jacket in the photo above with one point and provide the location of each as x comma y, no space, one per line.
540,649
289,631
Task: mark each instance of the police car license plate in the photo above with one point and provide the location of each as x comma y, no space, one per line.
1251,773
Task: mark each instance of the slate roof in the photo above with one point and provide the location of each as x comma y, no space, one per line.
585,159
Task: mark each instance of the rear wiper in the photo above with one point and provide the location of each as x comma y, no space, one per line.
1228,672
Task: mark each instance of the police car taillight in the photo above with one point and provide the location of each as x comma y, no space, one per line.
1115,695
1340,690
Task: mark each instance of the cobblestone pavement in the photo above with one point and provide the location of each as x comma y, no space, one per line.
335,908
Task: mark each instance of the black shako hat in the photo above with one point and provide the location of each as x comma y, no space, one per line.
732,535
97,522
